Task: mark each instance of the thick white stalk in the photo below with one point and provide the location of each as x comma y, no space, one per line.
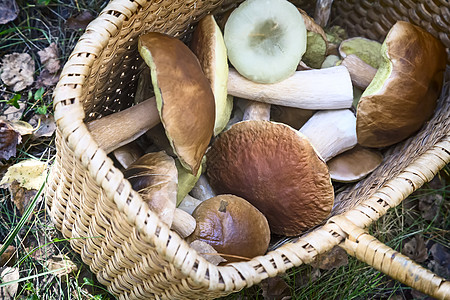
118,129
331,132
329,88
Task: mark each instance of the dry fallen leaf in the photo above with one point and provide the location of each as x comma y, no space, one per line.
335,258
17,71
50,58
21,196
8,258
416,249
202,248
30,174
12,113
22,127
8,11
8,274
440,264
80,21
429,206
9,139
61,265
46,78
275,288
45,125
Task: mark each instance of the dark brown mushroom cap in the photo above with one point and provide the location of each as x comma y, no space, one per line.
276,169
232,226
393,108
183,94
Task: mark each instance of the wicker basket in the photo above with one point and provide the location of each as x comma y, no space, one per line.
124,243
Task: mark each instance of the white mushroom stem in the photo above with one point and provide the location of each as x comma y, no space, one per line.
118,129
322,12
331,132
329,88
183,223
189,203
257,111
361,73
202,190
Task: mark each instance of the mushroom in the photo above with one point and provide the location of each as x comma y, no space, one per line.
316,42
154,176
331,132
120,128
404,92
208,45
128,154
232,226
183,95
329,88
322,12
354,164
276,169
367,50
189,203
255,110
202,190
361,73
331,61
265,39
294,117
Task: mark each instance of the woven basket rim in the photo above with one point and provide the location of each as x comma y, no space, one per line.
67,99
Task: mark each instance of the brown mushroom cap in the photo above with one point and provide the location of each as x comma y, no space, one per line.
183,94
232,226
154,176
404,91
275,168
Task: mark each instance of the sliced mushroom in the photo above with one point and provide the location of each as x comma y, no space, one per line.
329,88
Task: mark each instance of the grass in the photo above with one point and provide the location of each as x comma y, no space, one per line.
42,22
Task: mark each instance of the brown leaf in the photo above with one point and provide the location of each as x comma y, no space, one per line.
12,113
8,274
21,196
17,70
335,258
416,249
440,264
306,277
62,265
8,11
50,58
45,125
8,258
275,288
9,139
429,206
46,78
80,21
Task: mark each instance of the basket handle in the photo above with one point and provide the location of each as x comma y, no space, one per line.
368,249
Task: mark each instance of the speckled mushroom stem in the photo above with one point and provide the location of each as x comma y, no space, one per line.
361,73
331,132
329,88
118,129
257,111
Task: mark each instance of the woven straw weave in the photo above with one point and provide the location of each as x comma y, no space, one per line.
124,243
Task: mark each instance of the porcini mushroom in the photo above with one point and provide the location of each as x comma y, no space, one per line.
277,170
208,45
183,95
232,226
316,42
367,50
404,91
329,88
331,132
265,39
354,164
361,73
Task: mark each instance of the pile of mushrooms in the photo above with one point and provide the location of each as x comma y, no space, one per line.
244,151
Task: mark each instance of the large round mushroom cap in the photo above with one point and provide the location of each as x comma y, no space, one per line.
276,169
183,95
233,226
404,91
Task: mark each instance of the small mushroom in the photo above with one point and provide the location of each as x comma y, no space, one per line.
232,226
354,164
331,132
208,45
184,97
276,169
404,92
329,88
294,117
